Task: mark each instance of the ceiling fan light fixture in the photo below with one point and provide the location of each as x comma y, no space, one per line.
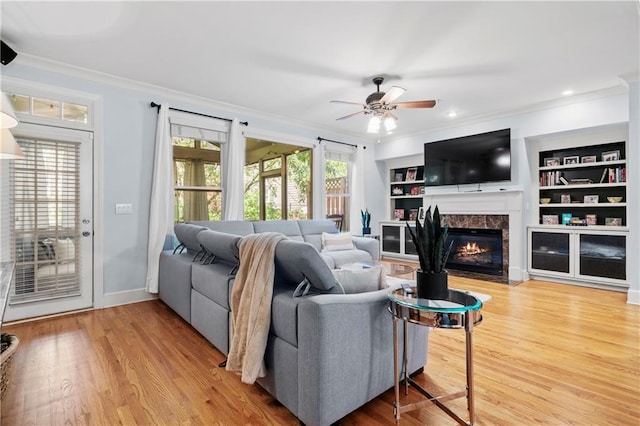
390,123
374,124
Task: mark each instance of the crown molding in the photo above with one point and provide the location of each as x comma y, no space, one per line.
163,93
510,112
631,77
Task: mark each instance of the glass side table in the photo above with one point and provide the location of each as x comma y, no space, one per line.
459,310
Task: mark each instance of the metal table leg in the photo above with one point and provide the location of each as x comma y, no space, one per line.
396,373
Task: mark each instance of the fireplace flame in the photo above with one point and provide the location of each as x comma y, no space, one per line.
471,249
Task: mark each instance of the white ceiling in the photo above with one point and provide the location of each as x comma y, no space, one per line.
291,58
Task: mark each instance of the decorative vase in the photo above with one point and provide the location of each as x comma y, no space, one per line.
433,286
366,231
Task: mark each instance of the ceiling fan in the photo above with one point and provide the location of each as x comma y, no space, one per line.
381,105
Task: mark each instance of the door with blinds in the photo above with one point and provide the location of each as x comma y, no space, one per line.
51,222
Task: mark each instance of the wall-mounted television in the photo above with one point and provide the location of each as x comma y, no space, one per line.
474,159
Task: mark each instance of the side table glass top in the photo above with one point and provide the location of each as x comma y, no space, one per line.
458,301
391,268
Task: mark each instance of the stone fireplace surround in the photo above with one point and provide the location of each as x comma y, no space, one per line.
488,210
483,221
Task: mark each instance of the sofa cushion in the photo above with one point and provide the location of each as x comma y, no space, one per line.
337,242
296,261
361,280
347,256
236,227
312,230
284,314
289,228
187,234
214,281
220,244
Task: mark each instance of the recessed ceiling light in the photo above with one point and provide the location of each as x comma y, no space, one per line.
452,114
567,92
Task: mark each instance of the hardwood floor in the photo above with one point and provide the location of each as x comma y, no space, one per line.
546,353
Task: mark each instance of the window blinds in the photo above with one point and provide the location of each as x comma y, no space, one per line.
45,225
196,127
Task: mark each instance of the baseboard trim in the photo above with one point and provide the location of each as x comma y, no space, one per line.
127,297
633,297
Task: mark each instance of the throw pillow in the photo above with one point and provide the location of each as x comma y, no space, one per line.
65,250
361,280
337,242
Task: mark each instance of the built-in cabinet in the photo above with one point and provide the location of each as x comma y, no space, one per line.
578,253
396,241
406,190
582,211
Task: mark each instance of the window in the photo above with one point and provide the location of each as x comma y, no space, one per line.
198,145
277,181
45,218
197,180
49,108
338,162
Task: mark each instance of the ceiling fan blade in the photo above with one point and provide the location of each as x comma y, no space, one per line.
349,103
392,94
415,104
350,115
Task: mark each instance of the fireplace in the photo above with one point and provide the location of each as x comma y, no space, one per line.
476,250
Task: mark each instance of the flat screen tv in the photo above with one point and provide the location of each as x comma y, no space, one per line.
474,159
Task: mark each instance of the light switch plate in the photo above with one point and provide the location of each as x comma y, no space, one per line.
124,209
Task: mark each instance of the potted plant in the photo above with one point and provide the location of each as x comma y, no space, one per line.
366,221
430,240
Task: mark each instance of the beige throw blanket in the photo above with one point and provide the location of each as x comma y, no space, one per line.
251,305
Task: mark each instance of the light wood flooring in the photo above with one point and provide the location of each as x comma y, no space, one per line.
546,354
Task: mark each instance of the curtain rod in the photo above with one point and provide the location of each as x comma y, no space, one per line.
342,143
155,105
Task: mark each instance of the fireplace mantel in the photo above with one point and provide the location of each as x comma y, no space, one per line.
507,203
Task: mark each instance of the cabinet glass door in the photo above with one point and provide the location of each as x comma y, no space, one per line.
391,239
409,246
550,251
603,256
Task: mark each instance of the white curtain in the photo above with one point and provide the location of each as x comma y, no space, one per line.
357,191
233,178
161,210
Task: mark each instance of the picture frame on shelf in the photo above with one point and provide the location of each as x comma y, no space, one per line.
397,190
421,214
415,190
399,177
611,155
591,219
552,161
613,221
422,188
413,215
398,214
412,173
571,160
591,199
588,159
565,198
566,218
549,219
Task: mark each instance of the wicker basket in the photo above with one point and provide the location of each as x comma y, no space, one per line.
7,354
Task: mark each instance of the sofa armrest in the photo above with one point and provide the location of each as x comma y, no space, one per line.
370,245
345,353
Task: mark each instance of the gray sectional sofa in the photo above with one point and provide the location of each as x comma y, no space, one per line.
328,353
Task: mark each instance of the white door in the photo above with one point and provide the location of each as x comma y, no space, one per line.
51,222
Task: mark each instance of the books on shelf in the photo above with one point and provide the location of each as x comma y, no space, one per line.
553,178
